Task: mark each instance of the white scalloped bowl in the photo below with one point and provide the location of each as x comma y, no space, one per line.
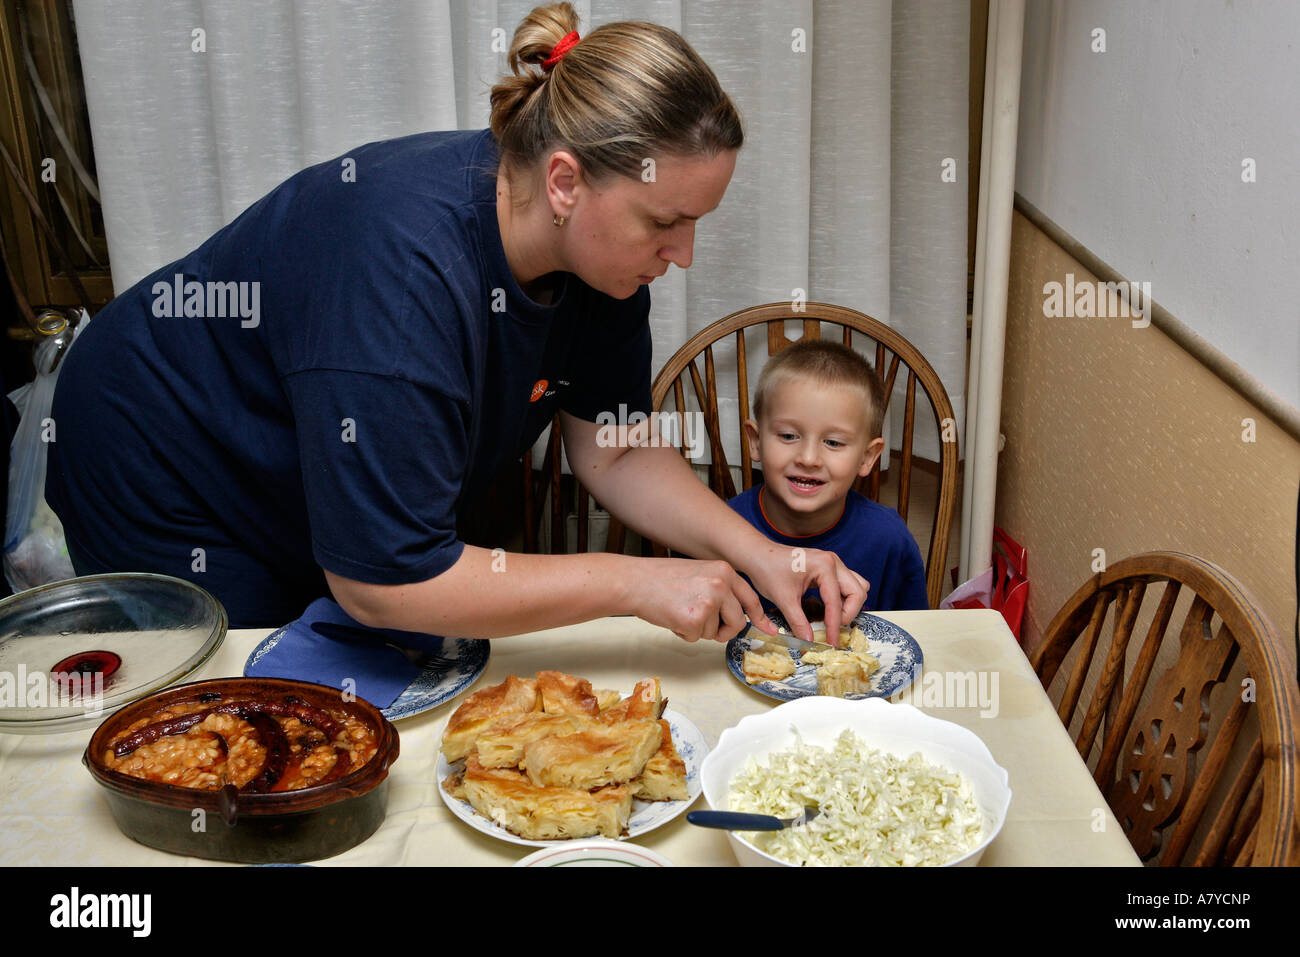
898,729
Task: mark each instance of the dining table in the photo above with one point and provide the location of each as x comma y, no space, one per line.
975,674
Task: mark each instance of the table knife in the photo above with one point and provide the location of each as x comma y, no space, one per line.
787,641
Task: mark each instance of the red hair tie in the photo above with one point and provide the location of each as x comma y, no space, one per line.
567,43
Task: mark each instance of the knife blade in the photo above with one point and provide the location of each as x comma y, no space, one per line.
787,641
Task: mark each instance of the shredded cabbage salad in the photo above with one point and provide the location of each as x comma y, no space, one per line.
875,809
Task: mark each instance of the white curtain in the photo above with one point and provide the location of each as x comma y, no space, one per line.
853,109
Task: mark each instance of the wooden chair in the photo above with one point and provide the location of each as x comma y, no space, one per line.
892,353
564,496
1146,740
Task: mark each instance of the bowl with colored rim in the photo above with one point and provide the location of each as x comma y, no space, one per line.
595,853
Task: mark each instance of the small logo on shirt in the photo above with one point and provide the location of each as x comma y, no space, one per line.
539,390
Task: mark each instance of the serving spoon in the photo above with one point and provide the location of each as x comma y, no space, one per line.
739,821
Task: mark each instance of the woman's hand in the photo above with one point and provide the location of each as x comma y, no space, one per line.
784,574
696,599
655,493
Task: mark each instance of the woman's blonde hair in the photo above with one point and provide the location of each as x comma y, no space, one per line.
627,92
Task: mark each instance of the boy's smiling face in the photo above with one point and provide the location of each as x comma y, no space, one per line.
813,446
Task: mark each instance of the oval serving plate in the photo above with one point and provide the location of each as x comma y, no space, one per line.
900,661
646,815
459,661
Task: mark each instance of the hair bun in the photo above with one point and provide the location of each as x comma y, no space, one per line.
629,90
538,34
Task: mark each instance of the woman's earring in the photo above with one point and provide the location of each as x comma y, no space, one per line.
558,220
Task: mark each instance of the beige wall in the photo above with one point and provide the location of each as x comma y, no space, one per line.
1118,439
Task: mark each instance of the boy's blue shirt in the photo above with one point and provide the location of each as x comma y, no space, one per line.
869,538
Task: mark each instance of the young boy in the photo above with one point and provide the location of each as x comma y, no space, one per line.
816,429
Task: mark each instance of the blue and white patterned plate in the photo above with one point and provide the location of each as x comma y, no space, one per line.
899,654
457,663
646,815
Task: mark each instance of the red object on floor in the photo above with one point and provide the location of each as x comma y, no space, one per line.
1004,587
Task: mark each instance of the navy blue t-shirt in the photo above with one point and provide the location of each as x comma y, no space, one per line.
345,367
869,538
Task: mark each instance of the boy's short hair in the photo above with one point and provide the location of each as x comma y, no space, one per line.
828,363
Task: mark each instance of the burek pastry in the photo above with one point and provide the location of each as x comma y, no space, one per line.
549,758
566,694
593,757
664,777
479,710
543,813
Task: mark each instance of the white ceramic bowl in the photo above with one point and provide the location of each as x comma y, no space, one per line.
595,853
898,729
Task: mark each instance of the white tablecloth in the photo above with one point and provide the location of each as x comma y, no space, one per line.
52,812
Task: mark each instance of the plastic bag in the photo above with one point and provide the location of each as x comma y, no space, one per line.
1004,587
35,551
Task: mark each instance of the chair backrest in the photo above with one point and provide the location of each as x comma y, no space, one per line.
892,354
563,495
1146,740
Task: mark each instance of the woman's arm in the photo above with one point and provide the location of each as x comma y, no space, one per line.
654,491
488,594
491,593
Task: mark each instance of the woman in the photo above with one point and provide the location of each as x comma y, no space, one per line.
310,398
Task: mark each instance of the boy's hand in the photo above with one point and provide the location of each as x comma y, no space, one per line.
783,578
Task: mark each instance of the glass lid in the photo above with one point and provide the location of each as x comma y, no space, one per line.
72,652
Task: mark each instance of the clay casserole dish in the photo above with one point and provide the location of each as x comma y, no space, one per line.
251,823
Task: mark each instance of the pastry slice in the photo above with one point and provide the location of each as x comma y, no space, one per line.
664,777
841,673
852,638
478,711
543,813
644,703
607,698
566,694
502,745
857,641
768,664
596,756
454,784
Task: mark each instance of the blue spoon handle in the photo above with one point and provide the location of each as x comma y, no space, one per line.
736,821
